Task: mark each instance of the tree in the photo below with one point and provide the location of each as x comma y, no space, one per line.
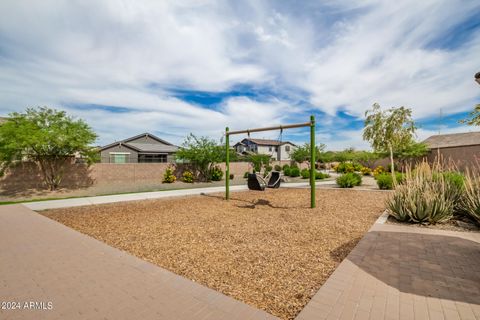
302,153
474,117
47,137
389,130
366,158
202,153
259,161
411,151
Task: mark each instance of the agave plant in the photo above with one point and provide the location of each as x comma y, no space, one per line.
424,197
470,202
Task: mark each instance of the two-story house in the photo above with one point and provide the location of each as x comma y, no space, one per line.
279,150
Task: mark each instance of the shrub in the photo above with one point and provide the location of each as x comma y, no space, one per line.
294,172
344,167
349,180
216,174
277,168
366,171
168,176
357,166
378,170
470,201
187,176
335,167
286,171
389,167
424,197
321,175
294,165
232,176
305,173
245,175
285,166
385,182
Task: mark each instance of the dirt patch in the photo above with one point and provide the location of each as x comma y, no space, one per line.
268,249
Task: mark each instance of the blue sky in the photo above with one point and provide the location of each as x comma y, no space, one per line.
175,67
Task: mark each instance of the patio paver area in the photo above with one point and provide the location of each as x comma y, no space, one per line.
44,261
400,272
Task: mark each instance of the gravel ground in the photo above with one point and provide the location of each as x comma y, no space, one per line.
268,249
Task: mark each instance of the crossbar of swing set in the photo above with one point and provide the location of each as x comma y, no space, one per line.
310,124
288,126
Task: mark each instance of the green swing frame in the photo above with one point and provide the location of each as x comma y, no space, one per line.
310,124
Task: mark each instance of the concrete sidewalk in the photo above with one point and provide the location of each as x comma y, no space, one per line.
49,271
75,202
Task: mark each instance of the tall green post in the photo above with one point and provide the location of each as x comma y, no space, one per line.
227,164
312,161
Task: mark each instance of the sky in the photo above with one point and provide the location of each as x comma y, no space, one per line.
175,67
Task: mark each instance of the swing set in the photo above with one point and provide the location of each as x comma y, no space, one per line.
274,181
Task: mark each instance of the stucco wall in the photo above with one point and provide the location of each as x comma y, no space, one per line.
26,176
462,157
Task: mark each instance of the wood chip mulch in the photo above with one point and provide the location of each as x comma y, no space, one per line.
268,249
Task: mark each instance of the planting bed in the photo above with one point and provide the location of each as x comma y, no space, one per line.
267,249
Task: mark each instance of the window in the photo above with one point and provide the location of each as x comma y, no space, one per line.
152,158
287,148
269,148
119,157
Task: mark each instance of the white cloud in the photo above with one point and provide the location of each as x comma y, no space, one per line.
335,55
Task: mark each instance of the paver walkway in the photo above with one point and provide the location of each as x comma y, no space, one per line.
45,262
401,272
85,201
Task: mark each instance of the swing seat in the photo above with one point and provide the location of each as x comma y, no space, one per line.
274,181
254,183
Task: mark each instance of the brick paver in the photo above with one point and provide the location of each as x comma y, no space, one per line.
399,272
44,261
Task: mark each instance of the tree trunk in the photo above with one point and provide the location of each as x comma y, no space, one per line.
392,167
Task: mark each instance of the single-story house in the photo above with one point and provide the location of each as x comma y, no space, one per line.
463,149
143,148
277,149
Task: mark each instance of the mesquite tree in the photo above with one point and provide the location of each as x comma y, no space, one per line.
47,137
389,130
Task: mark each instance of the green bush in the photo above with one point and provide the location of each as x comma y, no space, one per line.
385,182
286,171
344,167
424,197
294,172
168,176
187,176
357,166
366,171
349,180
232,176
305,173
277,168
245,175
321,175
285,166
216,174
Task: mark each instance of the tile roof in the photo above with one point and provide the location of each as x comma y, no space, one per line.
266,142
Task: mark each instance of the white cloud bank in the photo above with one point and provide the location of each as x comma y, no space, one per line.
334,55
